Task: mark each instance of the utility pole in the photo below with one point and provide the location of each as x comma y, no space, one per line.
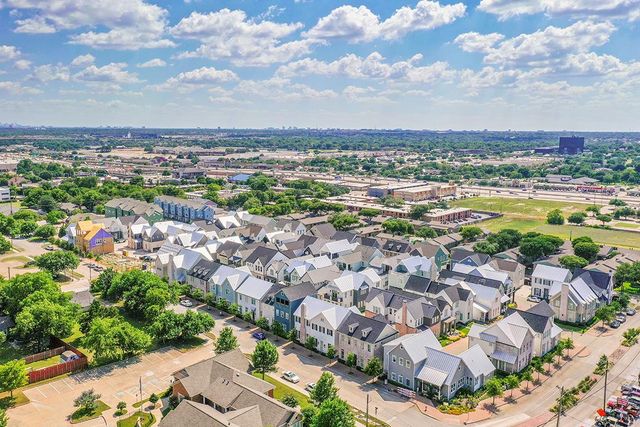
141,394
560,406
606,372
9,271
367,417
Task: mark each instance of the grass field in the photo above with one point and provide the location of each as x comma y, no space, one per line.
281,390
530,215
146,420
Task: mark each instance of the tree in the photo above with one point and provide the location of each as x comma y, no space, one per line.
493,388
308,415
56,262
581,239
548,359
145,295
617,202
369,212
351,361
154,399
559,351
334,413
331,351
5,245
373,367
593,209
234,309
290,400
537,365
13,375
262,323
527,376
103,282
265,357
4,421
628,273
47,203
604,314
418,211
624,212
577,218
122,407
486,247
55,217
113,339
568,344
15,292
397,226
511,382
226,341
87,402
247,316
45,231
603,218
42,318
325,389
586,250
426,232
311,343
278,329
555,217
470,232
572,262
602,365
343,221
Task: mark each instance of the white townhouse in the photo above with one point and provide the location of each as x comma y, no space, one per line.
320,319
250,293
350,289
545,277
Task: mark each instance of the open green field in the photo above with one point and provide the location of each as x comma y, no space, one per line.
530,215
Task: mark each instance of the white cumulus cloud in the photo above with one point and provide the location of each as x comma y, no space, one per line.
606,9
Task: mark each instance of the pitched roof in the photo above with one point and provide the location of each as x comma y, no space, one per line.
365,329
415,344
204,269
552,273
300,291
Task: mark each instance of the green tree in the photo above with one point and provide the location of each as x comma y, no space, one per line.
605,314
586,250
113,339
325,389
526,375
373,367
56,262
13,375
577,218
555,217
397,226
334,413
290,400
4,420
145,295
87,402
603,218
568,344
537,365
470,232
278,329
226,341
511,382
595,210
5,245
311,343
624,212
343,221
602,365
262,323
154,399
308,415
41,319
103,282
581,239
352,360
167,326
418,211
122,408
486,247
617,202
331,351
628,273
494,389
426,232
45,231
265,357
47,203
572,262
369,212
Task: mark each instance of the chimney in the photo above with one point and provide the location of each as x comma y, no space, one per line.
403,319
303,324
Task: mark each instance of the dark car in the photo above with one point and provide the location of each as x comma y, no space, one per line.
630,312
614,324
259,336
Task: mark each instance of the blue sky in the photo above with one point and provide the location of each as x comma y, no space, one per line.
419,64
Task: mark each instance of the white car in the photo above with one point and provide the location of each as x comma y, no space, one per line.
186,303
533,298
291,377
310,387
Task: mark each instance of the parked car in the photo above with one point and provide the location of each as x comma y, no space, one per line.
309,387
630,312
533,298
621,318
291,377
259,336
49,248
614,324
186,303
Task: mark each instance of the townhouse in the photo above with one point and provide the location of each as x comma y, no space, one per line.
186,210
320,319
364,337
350,289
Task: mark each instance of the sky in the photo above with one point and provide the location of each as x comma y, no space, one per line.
417,64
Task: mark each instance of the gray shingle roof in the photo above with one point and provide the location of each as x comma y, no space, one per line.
365,329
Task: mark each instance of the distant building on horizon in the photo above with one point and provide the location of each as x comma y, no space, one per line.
571,144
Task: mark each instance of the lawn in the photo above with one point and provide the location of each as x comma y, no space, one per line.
53,360
282,390
81,416
530,215
16,258
8,352
146,420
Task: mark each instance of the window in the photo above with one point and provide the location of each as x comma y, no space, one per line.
401,361
407,382
393,376
408,363
400,379
393,359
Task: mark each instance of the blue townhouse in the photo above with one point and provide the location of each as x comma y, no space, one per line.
287,301
186,210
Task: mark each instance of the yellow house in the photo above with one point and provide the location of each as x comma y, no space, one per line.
92,237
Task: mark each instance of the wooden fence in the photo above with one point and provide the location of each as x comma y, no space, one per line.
61,368
44,354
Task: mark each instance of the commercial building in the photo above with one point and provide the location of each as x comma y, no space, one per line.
571,144
5,194
425,192
448,215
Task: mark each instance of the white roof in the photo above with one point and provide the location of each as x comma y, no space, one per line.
417,263
339,246
552,273
579,292
254,288
512,330
415,344
228,221
333,313
486,271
